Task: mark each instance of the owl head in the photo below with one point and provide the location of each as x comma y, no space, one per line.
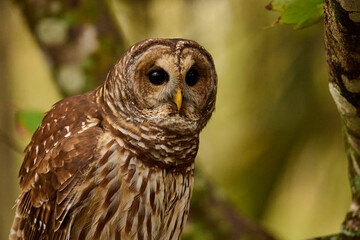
169,83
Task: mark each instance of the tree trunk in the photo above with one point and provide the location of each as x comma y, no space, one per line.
342,41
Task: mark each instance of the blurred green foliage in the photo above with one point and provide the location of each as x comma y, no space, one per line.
29,119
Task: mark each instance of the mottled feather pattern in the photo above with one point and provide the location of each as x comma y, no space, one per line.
54,161
137,202
118,162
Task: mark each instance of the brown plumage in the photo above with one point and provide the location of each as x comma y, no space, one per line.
118,162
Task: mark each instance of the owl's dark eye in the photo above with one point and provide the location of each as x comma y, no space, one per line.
192,77
158,76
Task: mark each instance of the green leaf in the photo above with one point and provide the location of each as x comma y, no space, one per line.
278,5
29,119
301,13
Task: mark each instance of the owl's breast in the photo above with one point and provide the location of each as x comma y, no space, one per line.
129,199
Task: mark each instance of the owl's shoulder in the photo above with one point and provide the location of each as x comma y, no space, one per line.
72,109
54,149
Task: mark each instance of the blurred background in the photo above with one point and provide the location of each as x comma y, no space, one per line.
273,149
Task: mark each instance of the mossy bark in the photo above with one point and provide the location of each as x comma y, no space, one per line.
342,41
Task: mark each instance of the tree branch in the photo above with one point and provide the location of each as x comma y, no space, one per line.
79,39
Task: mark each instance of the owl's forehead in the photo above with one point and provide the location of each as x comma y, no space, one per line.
175,61
157,47
171,56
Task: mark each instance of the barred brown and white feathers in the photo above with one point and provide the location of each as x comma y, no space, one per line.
118,162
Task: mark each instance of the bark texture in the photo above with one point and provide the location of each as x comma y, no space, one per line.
342,41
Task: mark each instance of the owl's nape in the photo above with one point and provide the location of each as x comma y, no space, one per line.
118,162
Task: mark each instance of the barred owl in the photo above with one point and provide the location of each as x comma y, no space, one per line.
118,162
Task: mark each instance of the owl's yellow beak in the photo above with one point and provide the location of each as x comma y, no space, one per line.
178,98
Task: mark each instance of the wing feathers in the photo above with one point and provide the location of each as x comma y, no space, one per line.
59,153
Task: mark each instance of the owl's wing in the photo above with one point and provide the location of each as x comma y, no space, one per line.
59,153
